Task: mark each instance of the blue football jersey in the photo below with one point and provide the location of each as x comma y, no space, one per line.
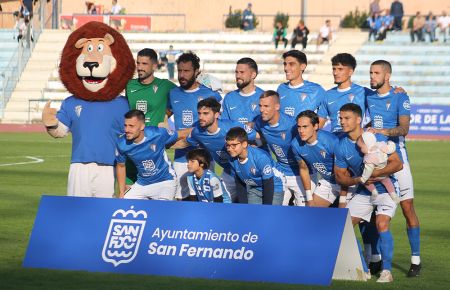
348,155
385,110
257,167
279,138
336,98
241,107
320,155
95,128
208,187
215,143
149,156
306,96
183,104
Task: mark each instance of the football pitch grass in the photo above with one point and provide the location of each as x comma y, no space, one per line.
32,164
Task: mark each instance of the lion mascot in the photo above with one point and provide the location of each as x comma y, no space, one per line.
96,64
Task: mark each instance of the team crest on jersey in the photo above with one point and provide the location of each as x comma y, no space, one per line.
278,151
283,135
303,96
170,132
153,147
254,106
253,170
155,88
187,118
407,105
200,99
124,236
289,111
388,105
323,153
141,105
78,110
351,97
378,122
243,120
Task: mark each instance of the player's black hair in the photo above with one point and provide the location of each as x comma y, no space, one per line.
211,103
150,53
300,56
135,113
270,93
201,155
190,57
309,114
350,107
384,63
250,62
345,59
237,133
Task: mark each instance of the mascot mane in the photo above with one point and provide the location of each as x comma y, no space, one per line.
122,69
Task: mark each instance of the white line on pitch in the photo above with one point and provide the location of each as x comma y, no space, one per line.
33,160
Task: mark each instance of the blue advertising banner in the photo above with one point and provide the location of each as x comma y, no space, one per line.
190,239
430,120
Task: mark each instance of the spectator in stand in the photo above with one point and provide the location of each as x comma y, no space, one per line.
397,13
374,23
279,33
417,28
388,20
300,35
325,33
374,7
247,18
90,7
430,26
443,25
116,8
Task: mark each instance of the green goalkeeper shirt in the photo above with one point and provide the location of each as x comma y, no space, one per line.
150,99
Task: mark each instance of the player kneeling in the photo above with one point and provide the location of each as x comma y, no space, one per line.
204,185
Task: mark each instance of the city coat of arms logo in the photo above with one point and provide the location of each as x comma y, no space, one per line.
124,236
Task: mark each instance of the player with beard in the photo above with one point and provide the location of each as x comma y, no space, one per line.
148,94
390,115
242,104
183,105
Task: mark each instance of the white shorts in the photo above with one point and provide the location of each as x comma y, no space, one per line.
90,180
327,190
182,173
294,186
405,181
361,206
230,184
164,190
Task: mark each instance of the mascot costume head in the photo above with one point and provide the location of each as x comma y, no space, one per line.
96,63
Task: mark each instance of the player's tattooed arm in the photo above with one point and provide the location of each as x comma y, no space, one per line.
401,130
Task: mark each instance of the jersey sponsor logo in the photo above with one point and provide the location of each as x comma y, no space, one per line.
378,122
176,101
78,110
149,167
351,97
155,88
267,169
243,120
406,105
278,151
133,91
330,103
303,97
289,111
232,108
141,105
320,167
187,118
124,236
282,97
388,105
303,155
348,158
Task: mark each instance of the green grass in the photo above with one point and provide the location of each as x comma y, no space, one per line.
22,185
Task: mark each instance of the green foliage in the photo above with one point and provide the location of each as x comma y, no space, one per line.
234,19
283,18
355,19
